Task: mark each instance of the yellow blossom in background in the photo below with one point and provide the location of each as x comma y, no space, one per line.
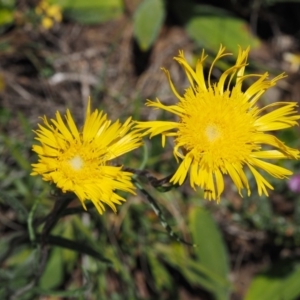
221,129
79,160
47,23
50,13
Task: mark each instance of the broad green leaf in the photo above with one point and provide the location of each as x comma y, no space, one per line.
91,11
210,251
54,271
282,281
6,16
8,3
147,22
194,272
210,31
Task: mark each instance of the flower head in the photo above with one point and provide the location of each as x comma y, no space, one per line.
221,129
79,160
50,13
294,183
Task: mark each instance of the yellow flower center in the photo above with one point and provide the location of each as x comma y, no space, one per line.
79,162
212,132
76,162
216,127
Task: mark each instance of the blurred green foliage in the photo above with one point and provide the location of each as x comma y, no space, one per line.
91,11
110,244
116,246
86,253
6,12
281,281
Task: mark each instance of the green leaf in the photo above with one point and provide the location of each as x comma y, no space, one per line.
91,11
54,271
210,31
70,294
210,250
281,281
69,256
26,126
8,4
16,205
9,242
6,16
19,272
160,274
18,257
194,272
84,232
147,22
6,274
16,151
75,246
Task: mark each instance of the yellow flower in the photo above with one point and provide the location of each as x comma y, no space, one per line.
221,129
50,13
47,23
42,6
79,160
54,11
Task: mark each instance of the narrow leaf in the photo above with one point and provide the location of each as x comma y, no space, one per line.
160,215
16,205
59,293
80,247
161,276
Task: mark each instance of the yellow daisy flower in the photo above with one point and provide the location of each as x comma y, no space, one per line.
47,23
221,129
79,160
50,13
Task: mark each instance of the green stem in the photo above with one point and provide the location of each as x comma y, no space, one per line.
161,216
31,231
60,205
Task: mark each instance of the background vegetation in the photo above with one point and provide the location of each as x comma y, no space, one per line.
53,55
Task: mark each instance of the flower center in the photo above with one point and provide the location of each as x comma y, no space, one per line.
79,162
76,162
217,128
212,132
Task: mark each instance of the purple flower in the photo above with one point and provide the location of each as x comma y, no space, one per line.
294,183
